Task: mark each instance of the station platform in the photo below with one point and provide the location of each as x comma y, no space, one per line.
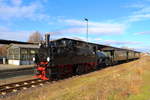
7,67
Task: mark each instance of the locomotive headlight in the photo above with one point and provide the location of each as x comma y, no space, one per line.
48,59
33,58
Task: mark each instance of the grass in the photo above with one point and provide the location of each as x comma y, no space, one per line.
129,81
145,88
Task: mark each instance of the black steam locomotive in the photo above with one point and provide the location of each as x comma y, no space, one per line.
66,57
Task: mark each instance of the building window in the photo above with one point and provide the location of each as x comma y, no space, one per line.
24,51
32,51
13,53
24,54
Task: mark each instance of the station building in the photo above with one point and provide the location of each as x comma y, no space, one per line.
21,54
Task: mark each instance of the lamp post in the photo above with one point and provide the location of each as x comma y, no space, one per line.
86,29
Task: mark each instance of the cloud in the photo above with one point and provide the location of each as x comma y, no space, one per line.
45,1
74,22
134,5
121,43
141,12
102,28
138,17
16,2
94,30
8,34
3,29
143,33
97,39
16,9
144,10
143,49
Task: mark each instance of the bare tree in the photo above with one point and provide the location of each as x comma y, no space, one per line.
35,37
3,50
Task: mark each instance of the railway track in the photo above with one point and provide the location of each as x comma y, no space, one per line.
22,85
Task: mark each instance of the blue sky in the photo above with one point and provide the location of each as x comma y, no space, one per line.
121,23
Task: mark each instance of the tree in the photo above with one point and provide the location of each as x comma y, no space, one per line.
35,37
3,50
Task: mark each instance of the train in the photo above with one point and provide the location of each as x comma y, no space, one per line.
67,57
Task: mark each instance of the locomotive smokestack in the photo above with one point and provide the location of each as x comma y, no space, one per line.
47,37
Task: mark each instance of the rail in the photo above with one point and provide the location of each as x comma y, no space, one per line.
22,85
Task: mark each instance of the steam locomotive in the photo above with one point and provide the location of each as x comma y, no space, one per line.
66,57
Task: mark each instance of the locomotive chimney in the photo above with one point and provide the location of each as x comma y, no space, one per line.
47,36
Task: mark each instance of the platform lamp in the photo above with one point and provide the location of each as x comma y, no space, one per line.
86,28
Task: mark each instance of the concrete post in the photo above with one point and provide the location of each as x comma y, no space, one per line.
4,60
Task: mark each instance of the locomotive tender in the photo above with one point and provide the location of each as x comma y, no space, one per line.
66,57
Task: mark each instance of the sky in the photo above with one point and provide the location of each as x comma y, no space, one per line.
120,23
